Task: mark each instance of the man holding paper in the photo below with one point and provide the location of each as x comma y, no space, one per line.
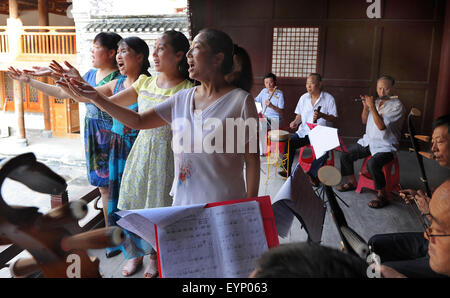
314,106
384,119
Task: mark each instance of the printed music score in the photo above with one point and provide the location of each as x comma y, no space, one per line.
223,241
215,240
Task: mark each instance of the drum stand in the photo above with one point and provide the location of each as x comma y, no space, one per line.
276,159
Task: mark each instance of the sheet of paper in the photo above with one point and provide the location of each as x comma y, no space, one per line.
142,221
323,139
280,205
223,241
258,107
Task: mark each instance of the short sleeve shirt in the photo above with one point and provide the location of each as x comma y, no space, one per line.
306,110
277,100
208,152
387,140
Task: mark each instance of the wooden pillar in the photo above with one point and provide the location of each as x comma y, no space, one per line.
17,86
18,109
43,12
442,104
13,9
43,21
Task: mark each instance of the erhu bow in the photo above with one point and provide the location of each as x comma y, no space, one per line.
48,237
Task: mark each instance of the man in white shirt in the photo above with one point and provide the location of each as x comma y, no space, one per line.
307,111
384,120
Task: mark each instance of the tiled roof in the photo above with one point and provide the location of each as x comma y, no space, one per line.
139,24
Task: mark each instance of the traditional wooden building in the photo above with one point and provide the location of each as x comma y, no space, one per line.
28,40
349,42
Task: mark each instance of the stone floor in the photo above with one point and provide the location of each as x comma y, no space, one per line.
396,217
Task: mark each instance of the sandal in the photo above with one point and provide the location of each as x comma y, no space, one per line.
132,266
378,202
346,187
151,270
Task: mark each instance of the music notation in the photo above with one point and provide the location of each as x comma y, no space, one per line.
223,241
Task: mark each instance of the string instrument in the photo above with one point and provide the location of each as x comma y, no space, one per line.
352,243
56,251
416,148
413,137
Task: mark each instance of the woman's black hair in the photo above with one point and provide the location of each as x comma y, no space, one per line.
139,46
179,42
109,40
244,80
220,42
271,75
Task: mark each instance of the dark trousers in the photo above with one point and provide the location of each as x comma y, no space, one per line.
295,142
374,165
405,252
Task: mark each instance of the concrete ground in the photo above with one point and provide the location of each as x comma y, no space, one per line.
66,157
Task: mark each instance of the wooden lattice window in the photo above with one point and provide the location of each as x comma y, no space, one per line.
295,51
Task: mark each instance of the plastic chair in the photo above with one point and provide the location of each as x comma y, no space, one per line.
305,162
392,179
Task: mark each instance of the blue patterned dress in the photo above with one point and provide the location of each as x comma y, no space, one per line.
122,140
97,135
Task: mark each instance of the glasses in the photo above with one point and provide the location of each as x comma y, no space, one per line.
426,222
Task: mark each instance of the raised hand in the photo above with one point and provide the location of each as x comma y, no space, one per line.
70,72
368,102
81,89
39,71
18,75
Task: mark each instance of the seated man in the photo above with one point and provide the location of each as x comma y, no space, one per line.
306,260
272,102
407,252
307,111
437,234
384,120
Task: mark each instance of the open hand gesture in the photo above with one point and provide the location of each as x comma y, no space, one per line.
71,72
77,88
39,71
18,75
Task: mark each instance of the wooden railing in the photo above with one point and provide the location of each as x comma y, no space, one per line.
48,40
41,40
4,43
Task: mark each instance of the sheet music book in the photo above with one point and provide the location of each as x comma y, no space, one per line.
206,241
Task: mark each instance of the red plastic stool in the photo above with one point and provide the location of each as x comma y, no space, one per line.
305,163
392,179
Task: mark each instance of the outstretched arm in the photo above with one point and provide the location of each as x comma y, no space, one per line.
132,119
48,89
